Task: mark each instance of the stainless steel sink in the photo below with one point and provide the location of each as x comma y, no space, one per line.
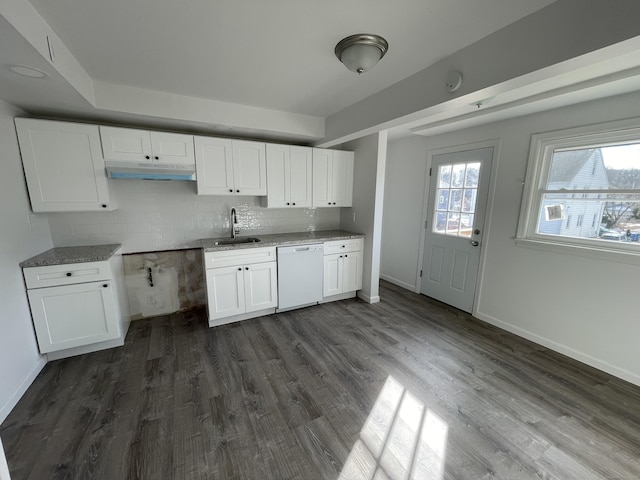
237,241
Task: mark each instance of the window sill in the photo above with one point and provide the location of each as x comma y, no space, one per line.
589,251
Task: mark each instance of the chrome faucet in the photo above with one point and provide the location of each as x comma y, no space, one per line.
235,226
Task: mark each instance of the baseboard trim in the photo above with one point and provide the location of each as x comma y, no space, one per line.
563,349
20,390
397,282
367,298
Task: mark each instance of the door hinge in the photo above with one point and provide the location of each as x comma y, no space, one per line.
420,273
430,171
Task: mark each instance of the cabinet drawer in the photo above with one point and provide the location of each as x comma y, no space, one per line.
242,256
67,274
341,246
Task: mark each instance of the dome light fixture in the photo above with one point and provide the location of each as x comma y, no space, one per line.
27,71
361,52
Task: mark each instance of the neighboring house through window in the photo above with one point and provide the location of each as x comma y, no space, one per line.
591,172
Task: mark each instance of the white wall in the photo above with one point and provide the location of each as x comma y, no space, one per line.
23,235
580,306
366,214
4,468
405,181
549,39
157,215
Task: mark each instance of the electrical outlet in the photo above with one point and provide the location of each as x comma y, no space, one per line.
31,220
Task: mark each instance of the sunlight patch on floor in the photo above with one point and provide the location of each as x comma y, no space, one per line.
401,439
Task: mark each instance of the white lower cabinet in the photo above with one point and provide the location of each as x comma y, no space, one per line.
78,308
342,268
73,315
242,284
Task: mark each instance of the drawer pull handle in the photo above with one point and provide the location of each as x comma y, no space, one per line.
68,274
105,285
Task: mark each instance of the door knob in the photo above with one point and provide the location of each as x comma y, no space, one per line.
475,243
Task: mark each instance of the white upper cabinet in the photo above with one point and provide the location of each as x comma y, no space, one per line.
289,176
332,178
131,145
214,166
230,167
63,166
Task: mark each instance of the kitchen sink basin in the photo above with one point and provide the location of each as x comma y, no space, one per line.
237,241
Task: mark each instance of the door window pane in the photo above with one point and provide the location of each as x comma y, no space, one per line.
455,204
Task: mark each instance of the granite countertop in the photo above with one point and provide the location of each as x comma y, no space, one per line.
280,239
65,255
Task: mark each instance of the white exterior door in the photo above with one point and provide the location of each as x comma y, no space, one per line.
214,166
249,168
261,286
300,177
458,190
73,315
225,292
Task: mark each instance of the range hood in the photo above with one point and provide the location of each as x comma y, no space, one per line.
150,170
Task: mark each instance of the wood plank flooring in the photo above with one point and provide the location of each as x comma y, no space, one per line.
286,397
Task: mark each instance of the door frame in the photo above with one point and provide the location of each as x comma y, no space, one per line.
496,144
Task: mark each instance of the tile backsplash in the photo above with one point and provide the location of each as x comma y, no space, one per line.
158,215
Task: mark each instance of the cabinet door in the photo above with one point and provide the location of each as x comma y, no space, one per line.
332,281
214,166
225,292
342,178
261,286
322,177
126,144
63,166
172,148
249,168
278,176
300,177
351,271
74,315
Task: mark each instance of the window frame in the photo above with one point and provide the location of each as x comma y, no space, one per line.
541,151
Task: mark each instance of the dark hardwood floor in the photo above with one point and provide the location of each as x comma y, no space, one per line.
407,388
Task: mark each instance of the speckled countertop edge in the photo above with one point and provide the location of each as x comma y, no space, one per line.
65,255
281,239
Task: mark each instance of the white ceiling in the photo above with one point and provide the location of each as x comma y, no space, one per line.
275,54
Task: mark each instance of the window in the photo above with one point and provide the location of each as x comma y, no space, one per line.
457,193
604,160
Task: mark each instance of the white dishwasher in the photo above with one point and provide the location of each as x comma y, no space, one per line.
300,271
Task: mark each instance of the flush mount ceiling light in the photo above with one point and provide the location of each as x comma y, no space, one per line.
27,71
361,52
